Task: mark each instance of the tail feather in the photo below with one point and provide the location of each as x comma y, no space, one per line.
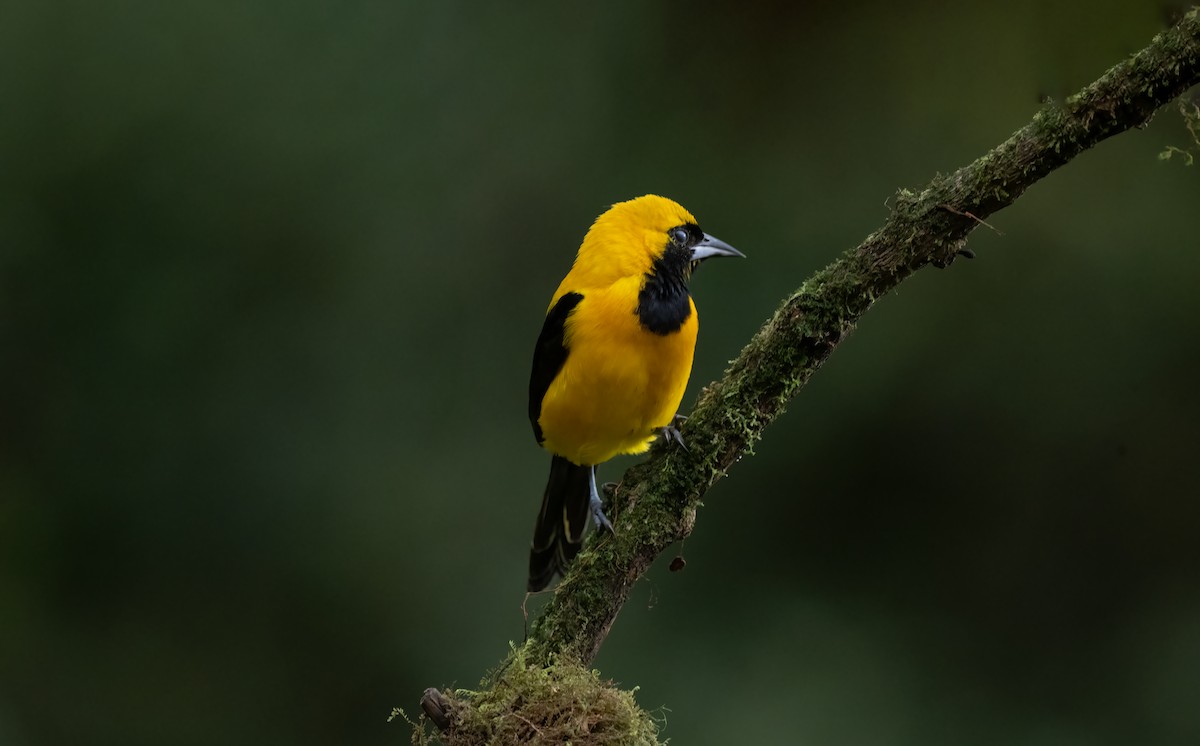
558,534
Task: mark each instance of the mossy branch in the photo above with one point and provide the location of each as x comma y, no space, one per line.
655,505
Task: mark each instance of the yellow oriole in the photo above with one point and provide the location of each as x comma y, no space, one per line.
612,361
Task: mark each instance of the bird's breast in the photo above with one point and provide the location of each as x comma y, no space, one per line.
621,381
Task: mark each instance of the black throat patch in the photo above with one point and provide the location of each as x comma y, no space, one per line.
663,302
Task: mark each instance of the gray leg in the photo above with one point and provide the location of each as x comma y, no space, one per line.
598,516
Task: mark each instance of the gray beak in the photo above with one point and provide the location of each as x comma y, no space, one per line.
710,247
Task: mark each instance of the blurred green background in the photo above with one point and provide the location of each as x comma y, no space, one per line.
270,278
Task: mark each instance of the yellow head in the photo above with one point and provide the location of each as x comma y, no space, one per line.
637,238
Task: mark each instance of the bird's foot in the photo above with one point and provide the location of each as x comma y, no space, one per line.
597,507
598,516
671,432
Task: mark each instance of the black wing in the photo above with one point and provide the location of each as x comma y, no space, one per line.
549,356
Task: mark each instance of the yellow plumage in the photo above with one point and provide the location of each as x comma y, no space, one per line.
613,360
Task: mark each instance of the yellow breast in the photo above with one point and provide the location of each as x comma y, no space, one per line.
620,384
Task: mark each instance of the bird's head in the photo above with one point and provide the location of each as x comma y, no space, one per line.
644,236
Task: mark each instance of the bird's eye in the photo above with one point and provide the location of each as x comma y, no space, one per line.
680,236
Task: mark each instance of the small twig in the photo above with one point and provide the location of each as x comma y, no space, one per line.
525,720
437,707
972,216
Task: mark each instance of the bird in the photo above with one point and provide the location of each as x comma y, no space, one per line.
612,361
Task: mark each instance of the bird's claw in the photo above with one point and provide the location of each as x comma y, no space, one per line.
597,507
599,518
671,432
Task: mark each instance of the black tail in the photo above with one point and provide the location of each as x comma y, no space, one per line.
558,535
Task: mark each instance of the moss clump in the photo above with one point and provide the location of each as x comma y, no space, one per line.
563,703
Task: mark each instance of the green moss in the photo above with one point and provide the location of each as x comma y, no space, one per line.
1191,119
563,703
